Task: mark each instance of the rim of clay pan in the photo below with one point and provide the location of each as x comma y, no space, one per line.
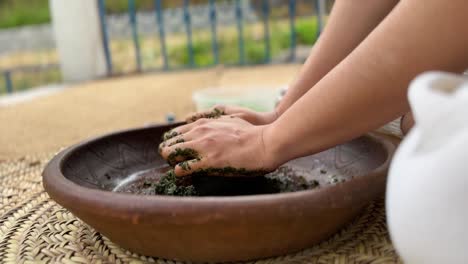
54,182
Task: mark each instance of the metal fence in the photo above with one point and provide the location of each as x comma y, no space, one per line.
24,76
265,5
159,23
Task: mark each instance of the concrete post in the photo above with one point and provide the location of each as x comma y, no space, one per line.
78,39
321,14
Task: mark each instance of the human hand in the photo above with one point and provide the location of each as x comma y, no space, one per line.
228,146
255,118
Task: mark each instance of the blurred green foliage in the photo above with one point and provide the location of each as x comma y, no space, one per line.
23,12
23,80
306,34
14,13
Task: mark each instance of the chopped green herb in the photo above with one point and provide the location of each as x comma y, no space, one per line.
180,154
179,140
147,184
205,182
216,113
169,184
170,134
230,172
185,166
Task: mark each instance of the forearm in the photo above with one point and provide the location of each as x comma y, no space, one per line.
349,23
369,87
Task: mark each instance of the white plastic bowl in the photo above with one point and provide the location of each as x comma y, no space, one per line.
258,99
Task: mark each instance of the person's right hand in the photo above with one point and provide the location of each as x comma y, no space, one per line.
255,118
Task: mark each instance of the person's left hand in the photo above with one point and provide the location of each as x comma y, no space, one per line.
227,146
253,117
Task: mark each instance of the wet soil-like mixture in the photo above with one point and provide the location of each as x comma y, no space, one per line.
285,179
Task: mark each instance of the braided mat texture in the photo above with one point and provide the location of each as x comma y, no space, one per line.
34,229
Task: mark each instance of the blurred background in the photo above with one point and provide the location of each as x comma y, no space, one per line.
196,33
74,69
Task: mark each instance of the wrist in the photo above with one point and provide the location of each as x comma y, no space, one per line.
270,117
274,152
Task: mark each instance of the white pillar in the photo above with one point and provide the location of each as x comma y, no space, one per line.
321,14
78,39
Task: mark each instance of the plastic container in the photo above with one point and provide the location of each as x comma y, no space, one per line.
258,99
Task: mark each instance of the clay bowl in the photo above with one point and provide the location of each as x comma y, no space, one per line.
212,229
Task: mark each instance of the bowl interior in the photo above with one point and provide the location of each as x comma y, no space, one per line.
116,161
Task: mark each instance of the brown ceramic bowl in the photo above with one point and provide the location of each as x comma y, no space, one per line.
214,229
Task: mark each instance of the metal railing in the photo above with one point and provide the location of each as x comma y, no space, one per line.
239,15
265,11
34,71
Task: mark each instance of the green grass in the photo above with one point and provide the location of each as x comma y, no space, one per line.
2,85
15,13
121,6
306,29
306,34
23,80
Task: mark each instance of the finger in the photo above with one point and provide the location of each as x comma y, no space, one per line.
238,115
220,107
190,166
170,134
177,140
216,113
184,129
213,113
195,116
176,132
178,153
173,141
189,118
244,116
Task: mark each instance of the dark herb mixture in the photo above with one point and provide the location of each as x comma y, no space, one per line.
219,181
285,179
182,154
216,113
169,184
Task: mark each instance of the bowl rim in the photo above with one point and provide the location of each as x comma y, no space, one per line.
55,182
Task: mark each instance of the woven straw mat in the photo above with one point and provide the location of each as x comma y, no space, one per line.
34,229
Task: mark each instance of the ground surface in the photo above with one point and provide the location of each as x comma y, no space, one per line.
90,109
